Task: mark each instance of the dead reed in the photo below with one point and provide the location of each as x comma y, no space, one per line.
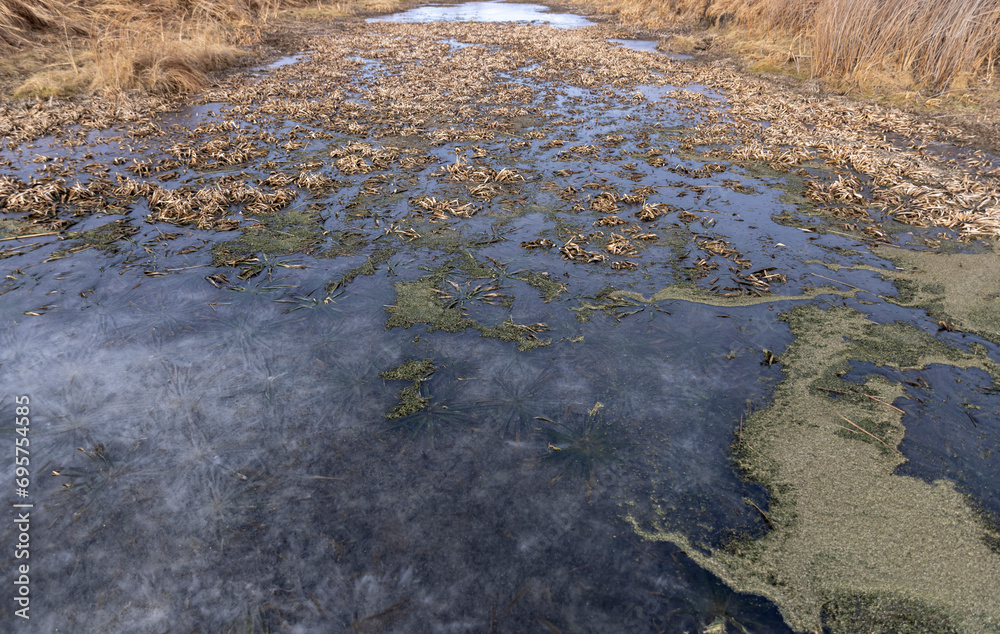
161,46
19,18
934,44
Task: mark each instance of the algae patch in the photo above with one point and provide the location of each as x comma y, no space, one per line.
863,612
418,302
524,335
544,284
410,400
689,292
105,238
371,265
960,289
423,301
273,234
10,227
845,528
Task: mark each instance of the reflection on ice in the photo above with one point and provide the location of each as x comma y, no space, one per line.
488,12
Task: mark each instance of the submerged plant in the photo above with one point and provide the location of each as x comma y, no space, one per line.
624,382
581,446
262,287
325,303
502,274
95,476
396,264
517,399
351,377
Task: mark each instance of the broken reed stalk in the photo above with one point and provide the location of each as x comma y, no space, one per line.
32,235
874,398
844,283
865,431
762,514
878,400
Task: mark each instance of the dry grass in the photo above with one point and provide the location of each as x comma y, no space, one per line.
54,83
61,47
937,43
20,18
934,45
159,46
324,11
320,10
899,46
142,58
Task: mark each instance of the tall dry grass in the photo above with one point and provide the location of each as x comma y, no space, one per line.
936,42
929,43
19,19
132,56
158,46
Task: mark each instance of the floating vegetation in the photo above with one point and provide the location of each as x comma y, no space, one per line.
814,526
543,282
431,409
873,612
617,306
106,238
410,399
525,335
278,234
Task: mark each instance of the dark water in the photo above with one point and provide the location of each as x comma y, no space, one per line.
214,454
952,425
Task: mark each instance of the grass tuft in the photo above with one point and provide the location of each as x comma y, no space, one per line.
161,46
133,57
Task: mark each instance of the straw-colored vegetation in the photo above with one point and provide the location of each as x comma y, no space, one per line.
897,44
60,47
160,47
57,48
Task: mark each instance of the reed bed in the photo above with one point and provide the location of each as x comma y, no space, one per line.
166,46
934,44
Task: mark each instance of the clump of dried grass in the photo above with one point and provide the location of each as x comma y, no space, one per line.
54,83
19,18
158,46
134,56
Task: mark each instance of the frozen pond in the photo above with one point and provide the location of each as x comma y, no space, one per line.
464,327
488,12
647,46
